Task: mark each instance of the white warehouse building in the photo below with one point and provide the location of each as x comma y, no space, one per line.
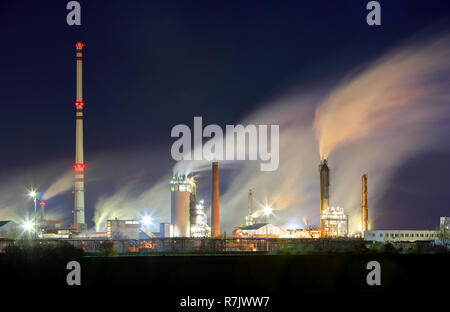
392,236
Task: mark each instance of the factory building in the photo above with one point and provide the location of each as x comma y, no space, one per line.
55,234
334,222
444,224
165,230
188,218
183,190
122,229
9,229
46,225
260,230
397,236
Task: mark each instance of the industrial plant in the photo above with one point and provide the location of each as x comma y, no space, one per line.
188,219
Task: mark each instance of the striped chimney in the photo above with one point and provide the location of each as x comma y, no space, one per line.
79,166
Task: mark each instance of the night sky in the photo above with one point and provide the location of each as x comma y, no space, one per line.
149,65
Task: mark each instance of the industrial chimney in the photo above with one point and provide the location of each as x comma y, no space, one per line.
324,172
215,209
42,205
249,220
364,206
79,166
250,202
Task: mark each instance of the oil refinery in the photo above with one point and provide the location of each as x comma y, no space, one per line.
188,218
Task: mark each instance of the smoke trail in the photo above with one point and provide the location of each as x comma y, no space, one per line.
377,120
405,88
61,185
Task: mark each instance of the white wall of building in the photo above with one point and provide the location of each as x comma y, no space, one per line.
385,236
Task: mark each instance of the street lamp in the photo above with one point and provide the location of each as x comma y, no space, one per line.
28,227
267,212
147,220
33,195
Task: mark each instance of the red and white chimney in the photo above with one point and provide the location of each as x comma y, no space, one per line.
79,166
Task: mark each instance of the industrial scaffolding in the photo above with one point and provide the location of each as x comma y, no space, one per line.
335,222
199,222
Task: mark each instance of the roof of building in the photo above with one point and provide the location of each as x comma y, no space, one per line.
2,223
253,226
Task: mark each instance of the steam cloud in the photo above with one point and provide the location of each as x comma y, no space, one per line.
61,185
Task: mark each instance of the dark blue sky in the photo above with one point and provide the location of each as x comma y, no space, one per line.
150,65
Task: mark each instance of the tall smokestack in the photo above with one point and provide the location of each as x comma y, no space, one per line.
364,206
215,209
250,203
324,172
79,166
42,205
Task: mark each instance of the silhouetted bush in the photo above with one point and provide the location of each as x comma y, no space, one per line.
389,249
107,249
37,250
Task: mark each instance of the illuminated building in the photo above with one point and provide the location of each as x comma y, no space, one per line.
260,230
122,229
199,222
334,222
183,190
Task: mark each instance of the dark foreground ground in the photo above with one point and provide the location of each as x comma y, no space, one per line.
285,279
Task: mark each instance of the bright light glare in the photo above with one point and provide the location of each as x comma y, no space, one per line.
32,194
28,225
146,220
267,210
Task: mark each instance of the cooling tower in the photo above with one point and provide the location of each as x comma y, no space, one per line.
215,206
